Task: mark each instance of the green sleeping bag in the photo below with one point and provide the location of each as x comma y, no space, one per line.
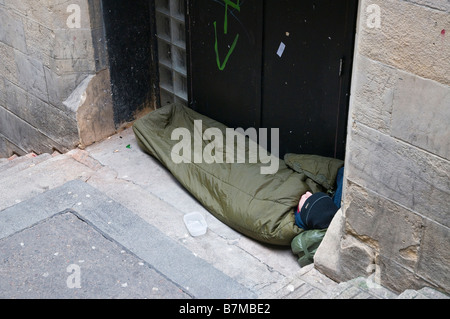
258,205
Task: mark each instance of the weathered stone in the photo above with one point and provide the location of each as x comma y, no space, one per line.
39,39
25,136
7,148
443,5
410,38
434,256
356,258
2,91
395,231
62,11
51,13
45,118
12,31
95,115
14,101
78,95
398,278
45,56
72,44
8,65
400,253
421,114
327,256
373,93
69,66
63,50
56,124
30,75
400,172
60,87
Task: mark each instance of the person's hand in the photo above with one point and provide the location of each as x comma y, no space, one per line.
303,200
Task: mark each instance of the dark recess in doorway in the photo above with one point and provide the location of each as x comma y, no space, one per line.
129,27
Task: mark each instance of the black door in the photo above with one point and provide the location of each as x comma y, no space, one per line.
276,64
306,85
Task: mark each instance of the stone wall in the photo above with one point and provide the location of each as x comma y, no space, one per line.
395,219
48,48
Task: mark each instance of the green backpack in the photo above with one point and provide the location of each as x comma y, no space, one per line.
305,245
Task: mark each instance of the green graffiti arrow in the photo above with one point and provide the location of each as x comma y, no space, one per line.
236,6
221,66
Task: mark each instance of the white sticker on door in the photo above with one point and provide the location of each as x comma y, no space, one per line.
281,49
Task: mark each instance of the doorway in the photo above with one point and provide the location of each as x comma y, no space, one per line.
275,64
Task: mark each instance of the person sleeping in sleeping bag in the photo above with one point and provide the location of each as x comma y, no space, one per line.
315,211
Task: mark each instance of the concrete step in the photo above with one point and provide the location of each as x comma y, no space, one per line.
15,160
22,163
21,183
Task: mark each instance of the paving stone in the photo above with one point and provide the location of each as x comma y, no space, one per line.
64,257
196,277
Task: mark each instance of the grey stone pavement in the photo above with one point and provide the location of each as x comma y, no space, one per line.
107,222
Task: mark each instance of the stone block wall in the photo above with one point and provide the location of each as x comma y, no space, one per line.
48,48
396,210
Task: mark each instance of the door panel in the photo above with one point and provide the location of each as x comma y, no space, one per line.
225,45
302,88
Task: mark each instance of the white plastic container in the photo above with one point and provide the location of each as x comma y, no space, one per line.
195,223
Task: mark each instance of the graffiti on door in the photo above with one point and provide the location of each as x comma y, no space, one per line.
234,5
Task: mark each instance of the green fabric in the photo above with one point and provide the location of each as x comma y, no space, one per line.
322,170
257,205
305,245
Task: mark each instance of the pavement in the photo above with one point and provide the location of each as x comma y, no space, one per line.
107,222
